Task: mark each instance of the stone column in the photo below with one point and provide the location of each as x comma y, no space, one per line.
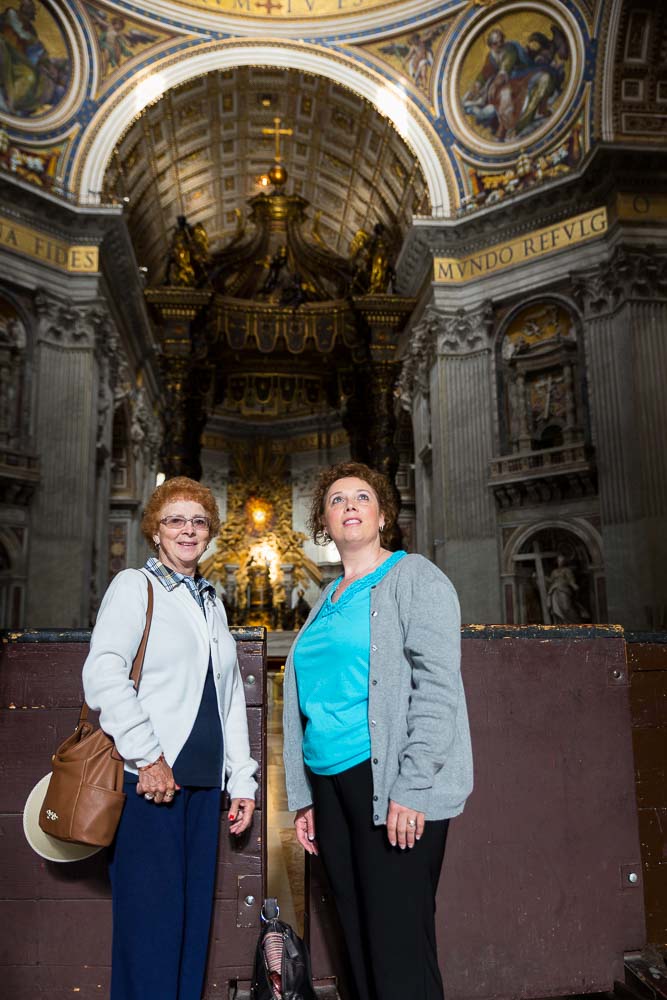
462,408
385,316
185,378
67,418
414,393
625,308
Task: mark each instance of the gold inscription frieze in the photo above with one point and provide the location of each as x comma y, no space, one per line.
47,249
571,232
290,9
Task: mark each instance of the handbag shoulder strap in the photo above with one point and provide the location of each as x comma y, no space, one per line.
137,666
138,663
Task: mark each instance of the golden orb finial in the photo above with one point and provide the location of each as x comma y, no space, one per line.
278,175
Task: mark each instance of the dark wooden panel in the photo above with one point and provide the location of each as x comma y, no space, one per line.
24,875
42,675
40,902
56,982
534,898
648,695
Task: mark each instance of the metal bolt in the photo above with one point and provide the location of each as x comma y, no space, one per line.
249,900
616,674
250,679
633,877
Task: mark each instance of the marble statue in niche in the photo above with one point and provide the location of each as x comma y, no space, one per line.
35,63
513,77
553,578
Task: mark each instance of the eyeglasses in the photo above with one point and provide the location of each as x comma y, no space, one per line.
177,522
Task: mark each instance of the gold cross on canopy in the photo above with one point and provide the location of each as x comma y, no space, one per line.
277,131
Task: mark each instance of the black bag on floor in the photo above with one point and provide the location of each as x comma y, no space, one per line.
282,963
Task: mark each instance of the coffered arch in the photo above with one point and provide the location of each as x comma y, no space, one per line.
105,129
200,150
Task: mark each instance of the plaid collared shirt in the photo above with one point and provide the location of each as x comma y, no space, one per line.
198,586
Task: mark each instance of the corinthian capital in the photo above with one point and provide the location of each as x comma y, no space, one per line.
629,275
63,324
467,330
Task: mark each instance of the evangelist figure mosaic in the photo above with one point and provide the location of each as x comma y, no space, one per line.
35,63
513,76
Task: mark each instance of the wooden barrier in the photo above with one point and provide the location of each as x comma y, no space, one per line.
647,660
56,918
541,892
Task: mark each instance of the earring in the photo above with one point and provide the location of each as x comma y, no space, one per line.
381,528
326,538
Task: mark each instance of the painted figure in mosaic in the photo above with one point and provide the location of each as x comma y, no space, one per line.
516,85
29,77
416,54
116,39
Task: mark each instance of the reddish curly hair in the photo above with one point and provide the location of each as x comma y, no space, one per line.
327,477
178,488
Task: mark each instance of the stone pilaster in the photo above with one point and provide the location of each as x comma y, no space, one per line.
625,307
465,403
413,388
67,419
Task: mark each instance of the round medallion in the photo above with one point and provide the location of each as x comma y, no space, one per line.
514,77
42,60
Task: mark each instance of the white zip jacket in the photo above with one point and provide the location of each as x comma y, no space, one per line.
158,719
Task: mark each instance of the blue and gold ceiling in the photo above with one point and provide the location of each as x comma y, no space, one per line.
507,95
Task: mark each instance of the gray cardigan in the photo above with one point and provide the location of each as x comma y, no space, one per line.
417,718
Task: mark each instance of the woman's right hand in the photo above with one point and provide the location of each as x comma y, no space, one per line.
304,825
156,782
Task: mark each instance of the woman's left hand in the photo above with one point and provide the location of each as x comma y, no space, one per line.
240,815
404,825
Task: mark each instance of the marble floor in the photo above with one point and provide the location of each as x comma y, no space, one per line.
285,857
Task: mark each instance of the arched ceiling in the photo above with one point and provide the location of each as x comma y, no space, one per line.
199,151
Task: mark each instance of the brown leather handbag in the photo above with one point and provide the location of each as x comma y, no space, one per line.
85,797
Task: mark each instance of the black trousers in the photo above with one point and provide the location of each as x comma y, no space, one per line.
385,897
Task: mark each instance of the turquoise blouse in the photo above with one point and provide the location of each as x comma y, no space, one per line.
331,660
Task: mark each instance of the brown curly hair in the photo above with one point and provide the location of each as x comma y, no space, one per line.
327,477
178,488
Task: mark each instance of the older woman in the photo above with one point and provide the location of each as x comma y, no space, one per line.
182,735
377,747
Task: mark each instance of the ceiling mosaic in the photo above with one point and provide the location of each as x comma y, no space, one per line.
202,150
490,96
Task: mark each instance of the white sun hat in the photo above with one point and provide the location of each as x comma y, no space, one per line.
46,846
